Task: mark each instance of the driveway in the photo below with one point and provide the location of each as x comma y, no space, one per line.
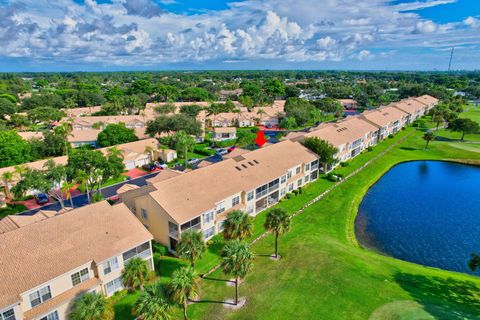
81,199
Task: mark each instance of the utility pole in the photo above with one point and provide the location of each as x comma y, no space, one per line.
450,63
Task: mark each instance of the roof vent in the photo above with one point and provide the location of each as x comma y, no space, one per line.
238,168
243,165
250,163
238,158
256,161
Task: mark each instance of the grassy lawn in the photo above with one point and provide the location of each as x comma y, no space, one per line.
323,273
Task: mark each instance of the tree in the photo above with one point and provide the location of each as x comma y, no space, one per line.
278,222
7,177
288,123
93,166
67,191
18,121
167,92
464,125
302,110
428,136
292,91
237,225
136,274
323,149
92,306
115,134
474,262
191,246
45,114
54,144
236,261
184,143
195,94
184,287
152,304
7,107
274,88
329,105
13,149
64,131
190,110
174,123
438,118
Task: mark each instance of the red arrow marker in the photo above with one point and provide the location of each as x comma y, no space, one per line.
260,140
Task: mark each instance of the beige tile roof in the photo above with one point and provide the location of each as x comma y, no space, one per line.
410,106
87,135
165,174
428,100
224,129
38,252
127,187
235,153
342,132
77,112
384,115
26,135
186,196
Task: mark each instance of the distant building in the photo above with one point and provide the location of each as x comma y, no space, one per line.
348,103
224,133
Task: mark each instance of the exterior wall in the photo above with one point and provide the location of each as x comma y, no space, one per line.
157,218
218,136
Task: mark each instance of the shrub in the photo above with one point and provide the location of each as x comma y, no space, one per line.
203,151
390,136
224,144
344,164
300,190
370,148
404,128
159,248
295,192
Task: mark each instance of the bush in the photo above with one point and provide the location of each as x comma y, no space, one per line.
300,190
224,144
203,151
159,248
390,136
404,128
344,164
370,148
295,192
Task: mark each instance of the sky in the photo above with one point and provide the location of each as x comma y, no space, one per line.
114,35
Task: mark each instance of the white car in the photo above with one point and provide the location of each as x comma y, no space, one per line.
192,161
222,152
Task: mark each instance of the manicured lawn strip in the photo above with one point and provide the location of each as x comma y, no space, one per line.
12,209
322,274
472,113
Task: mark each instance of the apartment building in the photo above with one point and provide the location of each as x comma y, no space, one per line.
201,199
100,122
428,101
412,107
389,120
350,136
48,260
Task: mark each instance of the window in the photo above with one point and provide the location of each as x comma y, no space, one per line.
290,187
220,207
114,286
235,201
297,170
283,179
220,225
144,214
282,191
307,177
80,276
261,191
307,167
40,296
250,196
190,224
172,229
209,232
7,315
51,316
208,217
289,174
299,182
135,252
110,265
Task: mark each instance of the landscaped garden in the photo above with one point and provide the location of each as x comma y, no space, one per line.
323,272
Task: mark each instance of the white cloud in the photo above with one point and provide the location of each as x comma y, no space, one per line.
142,33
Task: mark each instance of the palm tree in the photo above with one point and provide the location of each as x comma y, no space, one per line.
261,113
184,142
184,287
149,150
237,225
92,306
66,189
115,152
152,305
191,246
7,177
428,136
65,131
438,118
278,222
136,274
82,178
236,261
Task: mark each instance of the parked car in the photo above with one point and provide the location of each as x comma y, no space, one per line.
231,149
160,165
269,126
222,152
192,161
149,167
41,198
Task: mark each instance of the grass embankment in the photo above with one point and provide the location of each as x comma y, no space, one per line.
323,273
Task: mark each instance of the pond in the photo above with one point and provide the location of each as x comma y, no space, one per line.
426,212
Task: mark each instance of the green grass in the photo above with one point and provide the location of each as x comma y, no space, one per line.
323,273
12,209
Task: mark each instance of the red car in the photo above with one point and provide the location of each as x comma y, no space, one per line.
231,149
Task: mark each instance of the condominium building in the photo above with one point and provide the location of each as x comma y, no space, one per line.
48,260
201,199
224,133
389,119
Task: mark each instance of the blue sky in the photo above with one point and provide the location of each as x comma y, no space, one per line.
88,35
